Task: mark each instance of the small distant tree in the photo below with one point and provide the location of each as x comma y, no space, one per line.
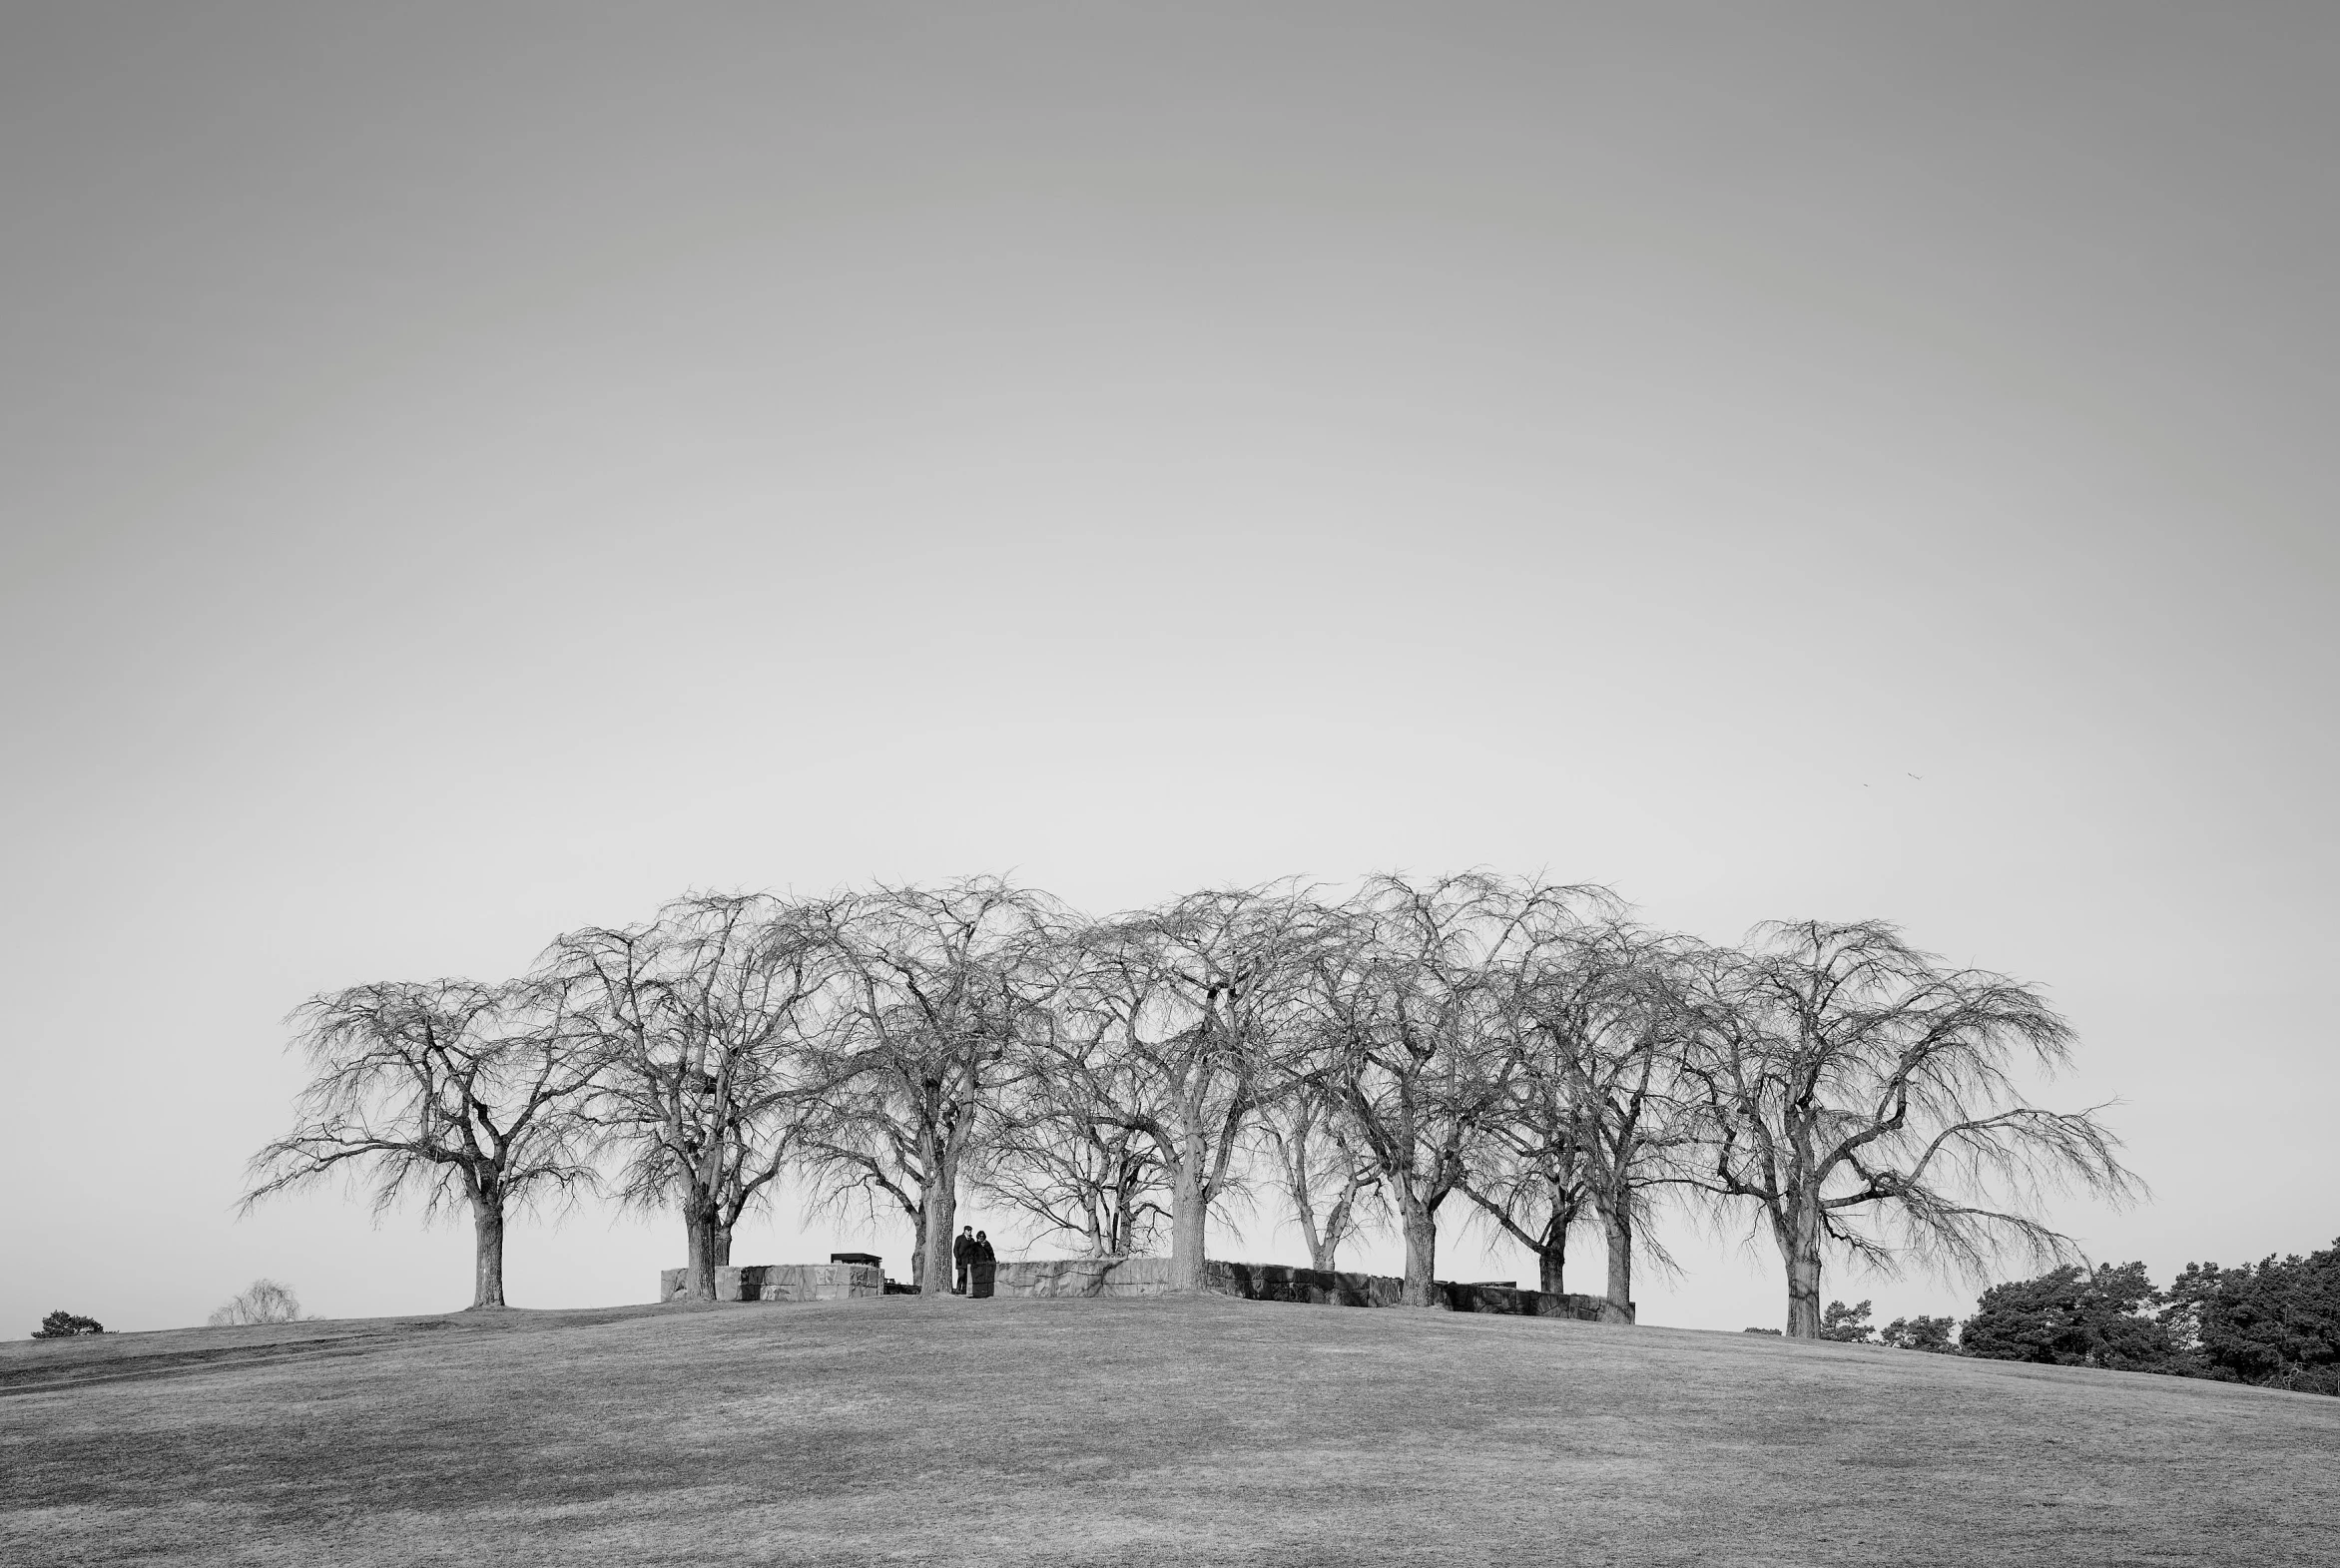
2074,1316
1862,1098
1846,1325
1934,1335
262,1301
449,1089
65,1326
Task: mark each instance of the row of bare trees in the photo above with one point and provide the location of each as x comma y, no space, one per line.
1512,1049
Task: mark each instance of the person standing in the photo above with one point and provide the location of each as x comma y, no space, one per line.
986,1264
962,1253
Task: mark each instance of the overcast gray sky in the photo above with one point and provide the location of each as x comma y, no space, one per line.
471,472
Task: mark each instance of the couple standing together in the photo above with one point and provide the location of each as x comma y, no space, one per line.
971,1251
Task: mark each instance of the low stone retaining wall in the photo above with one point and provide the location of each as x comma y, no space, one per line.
1082,1277
1282,1283
783,1282
1527,1303
1100,1277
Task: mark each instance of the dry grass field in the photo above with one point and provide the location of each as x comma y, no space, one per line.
1123,1431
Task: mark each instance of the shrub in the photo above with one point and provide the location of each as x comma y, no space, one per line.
1920,1333
2071,1317
1846,1324
64,1325
2276,1323
262,1301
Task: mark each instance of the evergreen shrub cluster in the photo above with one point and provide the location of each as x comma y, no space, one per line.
2274,1324
64,1325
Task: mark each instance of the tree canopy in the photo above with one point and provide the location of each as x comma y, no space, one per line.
1360,1059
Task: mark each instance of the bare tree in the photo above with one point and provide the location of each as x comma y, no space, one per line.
701,1022
1170,1030
1331,1183
1097,1183
449,1089
1861,1097
262,1301
1530,1181
1598,1091
940,985
1414,1038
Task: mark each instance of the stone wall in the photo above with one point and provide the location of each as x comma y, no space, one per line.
1102,1276
1082,1277
1282,1283
1525,1304
783,1282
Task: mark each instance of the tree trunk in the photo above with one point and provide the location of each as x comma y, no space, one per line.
935,1275
1189,1209
1420,1223
699,1236
719,1244
1618,1308
1323,1251
1308,1234
1798,1234
1551,1259
487,1275
1122,1240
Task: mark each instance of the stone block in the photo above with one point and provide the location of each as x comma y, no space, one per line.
1082,1277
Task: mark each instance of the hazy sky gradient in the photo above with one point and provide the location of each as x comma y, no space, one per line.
473,472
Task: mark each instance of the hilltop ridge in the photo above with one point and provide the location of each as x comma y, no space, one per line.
1137,1430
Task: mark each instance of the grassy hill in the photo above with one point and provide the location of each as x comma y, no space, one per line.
1138,1432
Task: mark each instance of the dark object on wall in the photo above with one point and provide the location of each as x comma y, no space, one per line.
872,1258
64,1325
